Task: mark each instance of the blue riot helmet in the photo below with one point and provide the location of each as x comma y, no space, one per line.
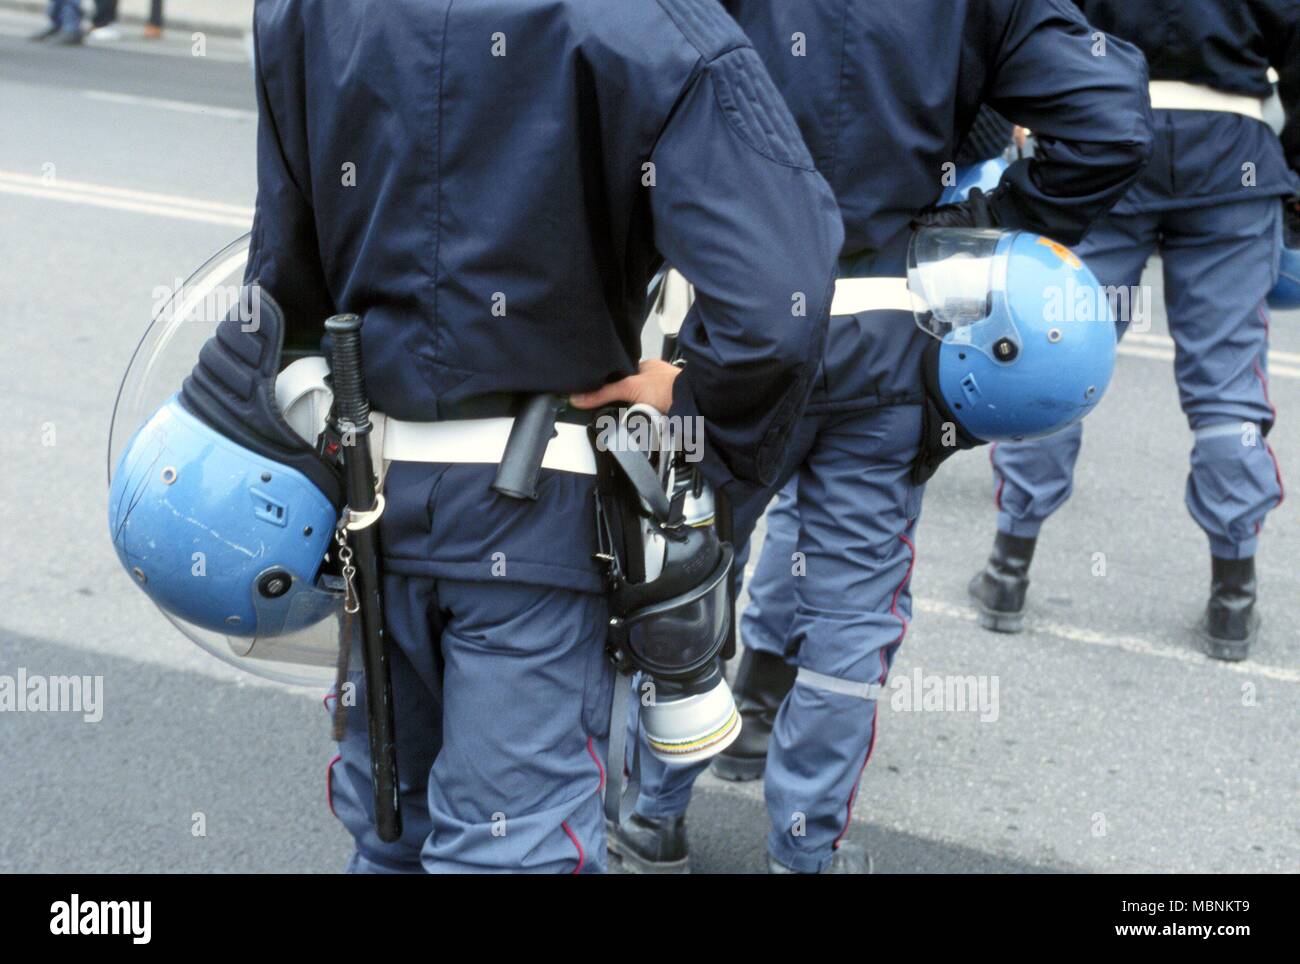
220,508
986,175
1286,293
1027,339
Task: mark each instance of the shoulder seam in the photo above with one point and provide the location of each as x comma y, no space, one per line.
722,53
694,38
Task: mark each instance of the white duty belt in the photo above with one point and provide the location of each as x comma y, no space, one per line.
476,440
856,295
304,400
1179,95
852,296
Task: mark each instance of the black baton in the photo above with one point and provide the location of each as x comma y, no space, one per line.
352,421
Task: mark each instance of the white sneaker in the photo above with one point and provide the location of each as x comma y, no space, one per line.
106,34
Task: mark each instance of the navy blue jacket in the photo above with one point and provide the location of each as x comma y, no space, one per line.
1227,45
885,93
492,184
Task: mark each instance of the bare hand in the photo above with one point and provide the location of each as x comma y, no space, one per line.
652,385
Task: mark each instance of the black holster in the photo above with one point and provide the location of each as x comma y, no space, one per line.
521,463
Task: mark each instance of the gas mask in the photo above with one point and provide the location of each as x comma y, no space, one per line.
669,577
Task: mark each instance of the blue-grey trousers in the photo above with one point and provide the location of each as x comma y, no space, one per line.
831,592
1219,264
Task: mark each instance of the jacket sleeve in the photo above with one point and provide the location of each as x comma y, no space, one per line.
284,254
1281,22
740,210
1086,97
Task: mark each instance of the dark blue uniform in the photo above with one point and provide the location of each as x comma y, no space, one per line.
492,184
1209,204
884,94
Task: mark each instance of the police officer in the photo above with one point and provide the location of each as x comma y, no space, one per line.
884,94
492,187
1209,203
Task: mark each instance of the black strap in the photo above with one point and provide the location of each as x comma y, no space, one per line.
638,470
725,524
620,799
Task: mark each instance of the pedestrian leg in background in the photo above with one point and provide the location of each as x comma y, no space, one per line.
858,510
154,28
65,23
1034,478
1220,264
103,27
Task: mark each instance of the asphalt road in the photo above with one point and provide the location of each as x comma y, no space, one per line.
1116,747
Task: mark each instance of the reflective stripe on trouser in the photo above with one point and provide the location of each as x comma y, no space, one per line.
1219,264
833,582
502,696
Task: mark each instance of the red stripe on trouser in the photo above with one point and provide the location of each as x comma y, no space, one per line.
997,493
329,783
599,766
582,857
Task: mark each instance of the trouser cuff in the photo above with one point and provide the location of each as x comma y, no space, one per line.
760,641
661,802
801,861
1023,528
1223,549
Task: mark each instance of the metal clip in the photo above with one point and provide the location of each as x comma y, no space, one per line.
351,601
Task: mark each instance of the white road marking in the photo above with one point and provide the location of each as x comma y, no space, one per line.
1160,354
184,106
1130,644
1167,344
123,199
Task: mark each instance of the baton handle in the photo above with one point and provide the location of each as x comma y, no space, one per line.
351,403
351,406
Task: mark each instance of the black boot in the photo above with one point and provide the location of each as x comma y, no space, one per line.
650,845
999,588
761,684
1231,623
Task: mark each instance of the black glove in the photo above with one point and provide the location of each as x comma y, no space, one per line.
1291,222
941,434
975,212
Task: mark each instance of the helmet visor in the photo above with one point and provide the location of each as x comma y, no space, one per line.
960,277
185,318
298,625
